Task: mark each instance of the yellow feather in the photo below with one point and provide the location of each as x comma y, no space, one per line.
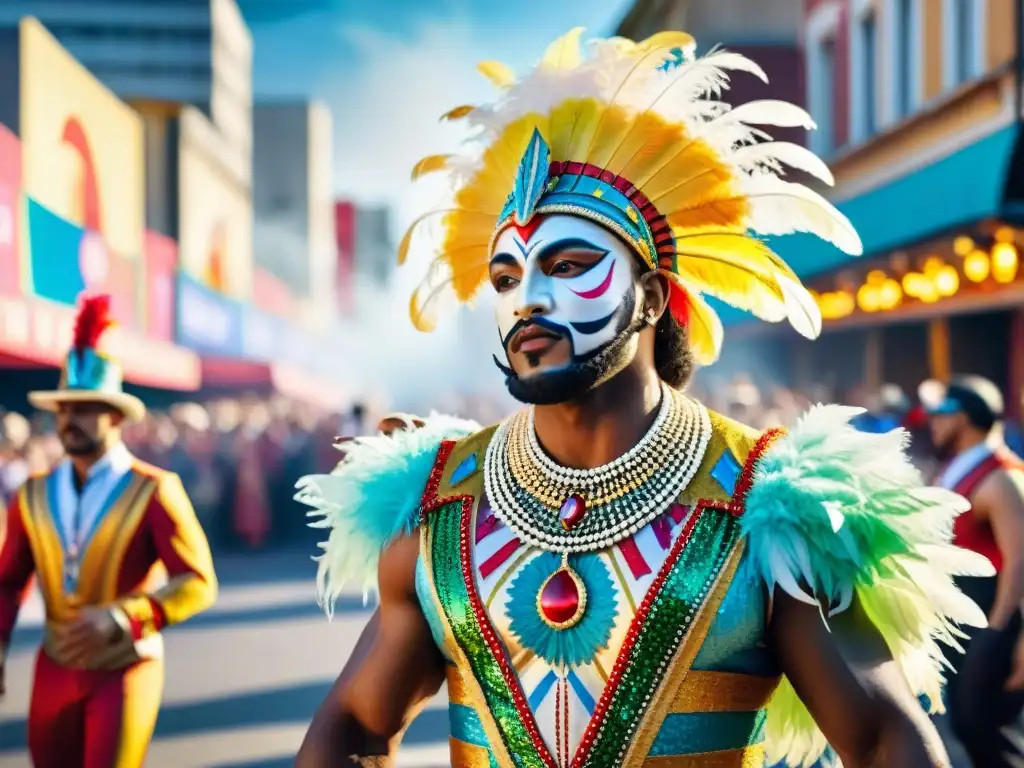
704,330
403,247
443,284
564,53
567,123
735,270
686,173
645,147
458,112
430,164
666,41
612,126
771,262
500,75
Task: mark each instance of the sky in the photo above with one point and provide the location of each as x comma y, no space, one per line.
388,69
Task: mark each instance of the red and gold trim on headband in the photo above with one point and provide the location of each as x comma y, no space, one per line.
607,199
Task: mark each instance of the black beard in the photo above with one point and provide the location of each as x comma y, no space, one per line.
80,444
946,450
578,377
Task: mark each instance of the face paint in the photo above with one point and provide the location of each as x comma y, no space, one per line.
569,275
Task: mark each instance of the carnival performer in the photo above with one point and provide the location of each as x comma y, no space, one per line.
986,696
95,531
616,576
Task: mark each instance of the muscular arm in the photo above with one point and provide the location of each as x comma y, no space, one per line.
1000,500
394,669
852,687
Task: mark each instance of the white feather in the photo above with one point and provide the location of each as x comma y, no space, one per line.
781,114
773,155
781,208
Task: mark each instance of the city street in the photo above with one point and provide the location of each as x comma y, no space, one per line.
243,679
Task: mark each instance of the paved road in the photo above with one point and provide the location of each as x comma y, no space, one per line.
242,680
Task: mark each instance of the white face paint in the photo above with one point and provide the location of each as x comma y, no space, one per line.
590,305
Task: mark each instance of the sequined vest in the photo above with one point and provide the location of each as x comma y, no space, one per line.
691,673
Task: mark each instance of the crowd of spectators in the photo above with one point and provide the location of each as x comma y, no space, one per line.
240,457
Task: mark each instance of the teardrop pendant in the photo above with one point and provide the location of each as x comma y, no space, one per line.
562,599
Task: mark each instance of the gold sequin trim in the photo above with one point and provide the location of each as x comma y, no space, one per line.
723,692
747,757
466,755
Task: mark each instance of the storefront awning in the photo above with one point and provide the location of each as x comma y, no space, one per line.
956,192
37,332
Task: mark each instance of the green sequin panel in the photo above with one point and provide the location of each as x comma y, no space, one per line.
672,614
454,598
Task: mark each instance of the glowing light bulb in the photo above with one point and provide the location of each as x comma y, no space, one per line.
1004,256
977,266
876,277
932,265
1004,234
947,281
868,298
889,294
963,245
929,294
913,283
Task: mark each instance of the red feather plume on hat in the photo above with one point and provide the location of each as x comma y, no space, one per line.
93,320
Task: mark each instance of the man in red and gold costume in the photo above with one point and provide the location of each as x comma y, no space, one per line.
99,531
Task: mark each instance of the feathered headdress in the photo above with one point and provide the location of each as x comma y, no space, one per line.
93,320
90,375
634,138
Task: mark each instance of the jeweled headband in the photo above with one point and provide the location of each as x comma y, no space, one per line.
634,137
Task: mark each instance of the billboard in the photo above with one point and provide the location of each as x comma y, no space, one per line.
206,321
161,263
215,214
10,213
82,148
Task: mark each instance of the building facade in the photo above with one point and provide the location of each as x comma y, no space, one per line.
158,55
293,199
770,34
919,108
374,258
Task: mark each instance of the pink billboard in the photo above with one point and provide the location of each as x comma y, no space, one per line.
161,263
10,192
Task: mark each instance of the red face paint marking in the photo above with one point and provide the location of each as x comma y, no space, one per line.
526,231
600,290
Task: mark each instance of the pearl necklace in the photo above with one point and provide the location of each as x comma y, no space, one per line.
542,525
549,483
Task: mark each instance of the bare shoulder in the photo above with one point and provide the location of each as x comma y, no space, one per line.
396,570
1002,490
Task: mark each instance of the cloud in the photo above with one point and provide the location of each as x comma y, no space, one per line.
386,117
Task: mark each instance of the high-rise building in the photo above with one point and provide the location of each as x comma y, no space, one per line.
158,55
292,197
769,33
374,246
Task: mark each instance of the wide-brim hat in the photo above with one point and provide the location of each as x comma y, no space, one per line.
130,406
89,375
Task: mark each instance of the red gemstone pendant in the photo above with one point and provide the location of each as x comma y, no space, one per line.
572,511
563,599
